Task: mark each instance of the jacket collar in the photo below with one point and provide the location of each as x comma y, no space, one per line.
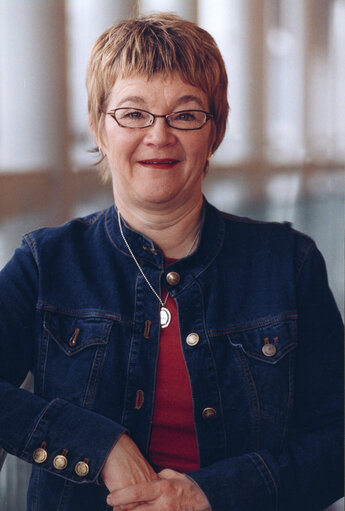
209,245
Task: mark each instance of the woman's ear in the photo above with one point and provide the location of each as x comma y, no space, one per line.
93,130
213,136
96,136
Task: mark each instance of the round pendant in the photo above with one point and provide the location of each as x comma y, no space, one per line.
165,317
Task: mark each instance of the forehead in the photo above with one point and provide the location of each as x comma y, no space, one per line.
159,90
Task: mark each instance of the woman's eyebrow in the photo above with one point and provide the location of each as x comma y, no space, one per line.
132,99
187,98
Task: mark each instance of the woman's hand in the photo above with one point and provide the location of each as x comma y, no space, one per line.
126,466
171,492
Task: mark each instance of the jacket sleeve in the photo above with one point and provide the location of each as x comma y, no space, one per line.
307,474
26,419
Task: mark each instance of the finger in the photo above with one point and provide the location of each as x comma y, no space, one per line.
141,492
142,507
124,507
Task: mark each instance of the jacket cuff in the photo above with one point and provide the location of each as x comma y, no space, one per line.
238,484
71,442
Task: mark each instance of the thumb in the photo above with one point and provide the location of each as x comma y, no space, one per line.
168,473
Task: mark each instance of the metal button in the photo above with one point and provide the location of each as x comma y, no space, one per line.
173,278
209,413
40,455
82,469
192,339
269,350
60,462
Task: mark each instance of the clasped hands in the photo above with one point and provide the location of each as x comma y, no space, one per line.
133,484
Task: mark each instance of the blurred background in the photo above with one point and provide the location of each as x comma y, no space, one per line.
282,158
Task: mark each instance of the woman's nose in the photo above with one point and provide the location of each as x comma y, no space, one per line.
160,133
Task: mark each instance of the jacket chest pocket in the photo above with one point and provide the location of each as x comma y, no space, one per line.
71,357
265,357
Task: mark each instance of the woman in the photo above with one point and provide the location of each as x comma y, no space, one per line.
184,359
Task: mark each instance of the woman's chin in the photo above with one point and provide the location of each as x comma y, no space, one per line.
158,195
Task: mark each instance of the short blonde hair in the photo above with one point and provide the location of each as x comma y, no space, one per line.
157,43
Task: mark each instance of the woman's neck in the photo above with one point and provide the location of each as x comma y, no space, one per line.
174,231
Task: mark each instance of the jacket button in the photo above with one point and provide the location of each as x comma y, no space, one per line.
192,339
209,413
173,278
40,455
82,469
60,462
269,350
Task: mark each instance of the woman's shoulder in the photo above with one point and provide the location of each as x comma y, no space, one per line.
256,231
257,239
77,233
74,225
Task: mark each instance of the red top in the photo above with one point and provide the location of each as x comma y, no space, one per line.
173,439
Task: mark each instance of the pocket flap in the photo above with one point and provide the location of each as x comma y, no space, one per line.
74,334
269,343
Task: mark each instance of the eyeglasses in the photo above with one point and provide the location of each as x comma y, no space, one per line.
138,118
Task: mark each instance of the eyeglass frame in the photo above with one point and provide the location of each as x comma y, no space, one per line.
154,116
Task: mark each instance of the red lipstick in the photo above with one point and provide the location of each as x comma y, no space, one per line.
159,163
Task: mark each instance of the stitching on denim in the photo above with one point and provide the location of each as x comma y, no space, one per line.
126,253
256,414
32,245
290,397
194,278
269,321
215,368
112,241
275,359
303,259
251,456
248,375
125,394
65,493
82,313
291,379
41,416
245,354
96,368
91,341
94,374
91,219
44,346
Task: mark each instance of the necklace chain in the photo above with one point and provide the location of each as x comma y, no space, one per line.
140,268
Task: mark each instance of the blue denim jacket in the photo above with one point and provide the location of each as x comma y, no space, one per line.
266,374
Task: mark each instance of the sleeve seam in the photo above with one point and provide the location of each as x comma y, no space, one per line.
255,454
303,260
40,418
32,245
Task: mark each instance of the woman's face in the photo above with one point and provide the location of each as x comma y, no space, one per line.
157,165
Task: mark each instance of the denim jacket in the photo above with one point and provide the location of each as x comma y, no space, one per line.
265,366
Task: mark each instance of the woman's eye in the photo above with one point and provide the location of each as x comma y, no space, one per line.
185,116
133,115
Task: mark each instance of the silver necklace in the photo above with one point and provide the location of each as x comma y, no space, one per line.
165,315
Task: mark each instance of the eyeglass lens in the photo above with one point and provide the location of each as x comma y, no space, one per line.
136,118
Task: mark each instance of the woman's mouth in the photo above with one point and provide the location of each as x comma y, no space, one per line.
159,163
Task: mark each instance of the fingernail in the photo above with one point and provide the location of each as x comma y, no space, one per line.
109,500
